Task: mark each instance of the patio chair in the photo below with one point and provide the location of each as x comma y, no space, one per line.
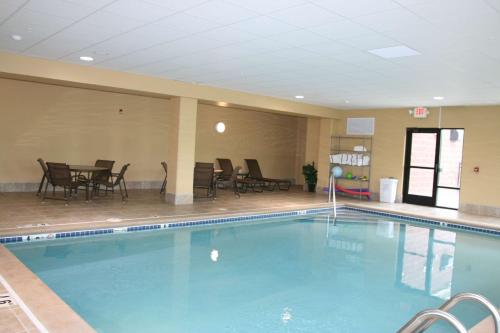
254,172
102,177
204,178
59,174
119,180
45,175
164,185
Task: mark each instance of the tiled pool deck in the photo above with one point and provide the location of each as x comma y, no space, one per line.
25,214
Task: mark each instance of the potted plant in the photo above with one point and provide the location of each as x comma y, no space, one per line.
311,176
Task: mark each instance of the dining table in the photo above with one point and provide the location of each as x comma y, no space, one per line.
88,169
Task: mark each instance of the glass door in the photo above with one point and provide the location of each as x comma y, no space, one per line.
421,166
450,168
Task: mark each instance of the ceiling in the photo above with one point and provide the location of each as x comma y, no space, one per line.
282,48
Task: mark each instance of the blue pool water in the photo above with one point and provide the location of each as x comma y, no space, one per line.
295,275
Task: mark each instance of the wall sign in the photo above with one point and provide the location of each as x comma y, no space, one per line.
420,112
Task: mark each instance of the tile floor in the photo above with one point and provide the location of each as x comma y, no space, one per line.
24,213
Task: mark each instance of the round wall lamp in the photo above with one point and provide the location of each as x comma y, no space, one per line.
220,127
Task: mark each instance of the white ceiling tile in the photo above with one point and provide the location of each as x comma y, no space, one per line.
266,6
354,8
221,11
110,21
177,5
391,20
304,16
61,8
256,46
264,26
32,26
184,22
340,29
9,7
57,47
328,49
138,10
7,43
228,35
369,41
300,37
461,16
494,3
93,3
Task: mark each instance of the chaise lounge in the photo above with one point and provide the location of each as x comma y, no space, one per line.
254,172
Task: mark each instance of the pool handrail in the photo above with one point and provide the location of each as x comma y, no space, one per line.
331,194
418,325
431,315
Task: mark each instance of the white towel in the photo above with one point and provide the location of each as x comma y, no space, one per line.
366,160
354,159
349,159
359,148
344,159
337,158
360,159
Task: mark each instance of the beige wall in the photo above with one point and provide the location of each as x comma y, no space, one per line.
75,125
481,146
78,126
273,139
51,71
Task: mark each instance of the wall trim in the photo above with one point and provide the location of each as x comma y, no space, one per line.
33,187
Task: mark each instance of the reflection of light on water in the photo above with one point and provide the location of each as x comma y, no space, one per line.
286,316
214,255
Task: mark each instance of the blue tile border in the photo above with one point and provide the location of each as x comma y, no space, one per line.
426,221
232,219
157,226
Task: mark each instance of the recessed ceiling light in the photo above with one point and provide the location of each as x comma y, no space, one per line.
16,37
438,98
299,97
394,52
86,58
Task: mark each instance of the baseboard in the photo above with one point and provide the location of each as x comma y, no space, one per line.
480,210
33,187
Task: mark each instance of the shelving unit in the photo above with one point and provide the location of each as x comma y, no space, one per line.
344,145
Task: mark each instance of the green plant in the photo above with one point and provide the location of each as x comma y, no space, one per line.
310,173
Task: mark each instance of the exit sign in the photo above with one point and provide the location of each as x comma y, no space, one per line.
420,112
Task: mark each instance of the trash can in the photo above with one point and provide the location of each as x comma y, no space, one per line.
388,189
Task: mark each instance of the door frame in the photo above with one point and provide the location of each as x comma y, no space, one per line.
417,199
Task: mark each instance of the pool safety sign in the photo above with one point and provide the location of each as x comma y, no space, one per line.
6,300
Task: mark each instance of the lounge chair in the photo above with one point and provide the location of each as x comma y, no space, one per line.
254,172
227,168
242,185
164,185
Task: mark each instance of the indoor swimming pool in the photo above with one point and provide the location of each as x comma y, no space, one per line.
297,274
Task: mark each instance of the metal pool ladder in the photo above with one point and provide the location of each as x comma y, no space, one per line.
424,319
331,194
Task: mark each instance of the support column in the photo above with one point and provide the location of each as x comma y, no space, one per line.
325,133
318,136
181,158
